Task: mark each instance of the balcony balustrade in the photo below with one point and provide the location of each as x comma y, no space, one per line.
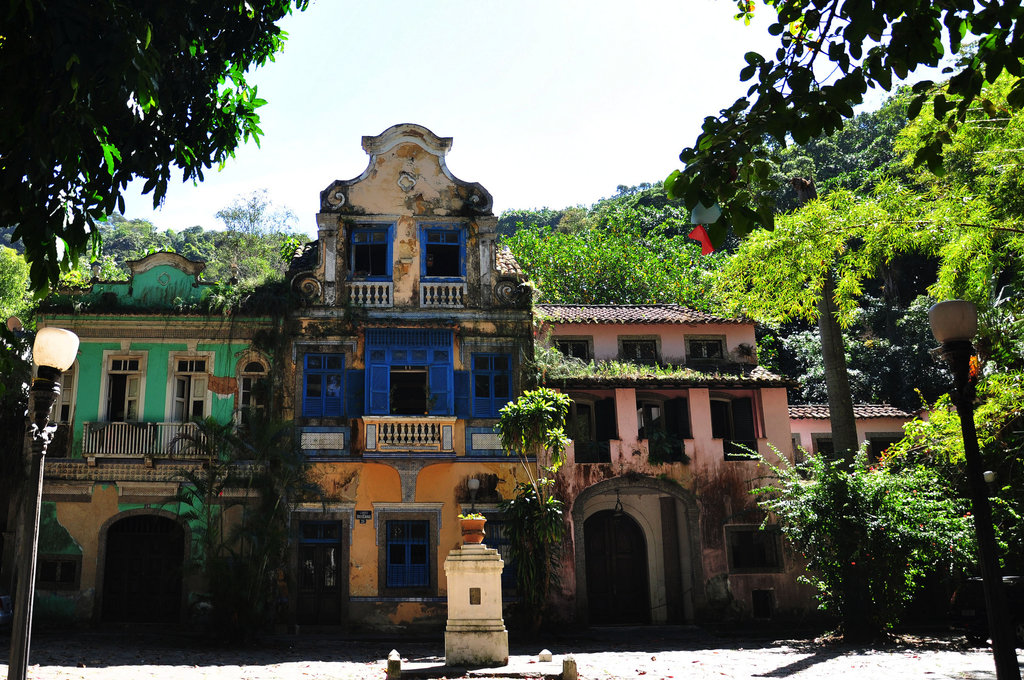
371,293
392,434
445,295
135,440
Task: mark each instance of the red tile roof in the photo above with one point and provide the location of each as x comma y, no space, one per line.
863,411
505,262
629,314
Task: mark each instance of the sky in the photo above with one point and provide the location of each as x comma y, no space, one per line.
550,103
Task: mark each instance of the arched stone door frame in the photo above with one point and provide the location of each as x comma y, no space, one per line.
602,496
101,558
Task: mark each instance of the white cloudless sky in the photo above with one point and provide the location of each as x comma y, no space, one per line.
549,102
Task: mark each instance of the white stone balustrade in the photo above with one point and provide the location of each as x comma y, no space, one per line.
384,434
371,293
450,294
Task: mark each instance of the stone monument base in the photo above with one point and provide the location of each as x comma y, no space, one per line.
476,647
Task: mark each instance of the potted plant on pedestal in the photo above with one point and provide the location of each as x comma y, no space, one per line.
472,527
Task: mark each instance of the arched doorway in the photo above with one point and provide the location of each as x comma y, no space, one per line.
616,558
142,576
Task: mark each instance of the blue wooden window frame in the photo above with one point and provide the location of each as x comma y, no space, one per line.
492,383
443,234
497,538
427,348
323,385
407,548
373,233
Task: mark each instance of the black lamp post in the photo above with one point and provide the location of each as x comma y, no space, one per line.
954,324
53,352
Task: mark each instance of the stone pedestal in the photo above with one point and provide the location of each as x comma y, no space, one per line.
475,634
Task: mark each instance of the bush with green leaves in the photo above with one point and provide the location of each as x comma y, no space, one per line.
530,427
869,534
242,561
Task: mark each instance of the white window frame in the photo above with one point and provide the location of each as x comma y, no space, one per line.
108,357
172,376
244,375
67,394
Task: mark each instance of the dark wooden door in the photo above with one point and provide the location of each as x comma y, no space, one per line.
142,576
320,574
616,555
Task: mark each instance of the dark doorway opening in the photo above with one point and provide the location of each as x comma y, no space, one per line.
320,574
409,391
616,555
142,577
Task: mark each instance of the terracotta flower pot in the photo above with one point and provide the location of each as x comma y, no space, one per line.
473,530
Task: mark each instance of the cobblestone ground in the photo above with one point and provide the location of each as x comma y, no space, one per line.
646,653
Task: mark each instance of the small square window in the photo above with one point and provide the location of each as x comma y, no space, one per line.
752,549
323,385
492,384
408,553
640,351
58,572
370,253
443,252
705,349
576,349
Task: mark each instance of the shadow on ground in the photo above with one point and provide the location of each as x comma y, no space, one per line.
131,646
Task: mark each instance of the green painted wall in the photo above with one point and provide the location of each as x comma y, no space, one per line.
161,286
90,403
54,539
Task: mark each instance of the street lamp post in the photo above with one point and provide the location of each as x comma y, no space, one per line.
954,324
53,352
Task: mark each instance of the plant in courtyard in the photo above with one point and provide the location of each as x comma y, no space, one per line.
892,528
244,558
534,426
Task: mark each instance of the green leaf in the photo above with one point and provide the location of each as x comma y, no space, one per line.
110,153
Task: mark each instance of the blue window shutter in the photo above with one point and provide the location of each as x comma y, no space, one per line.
462,252
462,394
354,391
312,405
378,389
441,390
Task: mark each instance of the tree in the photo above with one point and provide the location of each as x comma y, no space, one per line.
533,426
893,527
242,560
14,298
796,98
615,264
249,249
96,95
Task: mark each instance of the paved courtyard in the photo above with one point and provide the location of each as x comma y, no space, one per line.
646,653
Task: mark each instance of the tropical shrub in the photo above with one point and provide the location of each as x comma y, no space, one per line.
869,533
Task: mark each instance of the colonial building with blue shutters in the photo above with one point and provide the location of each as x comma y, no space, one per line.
413,332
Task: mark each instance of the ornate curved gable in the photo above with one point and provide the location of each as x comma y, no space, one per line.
406,175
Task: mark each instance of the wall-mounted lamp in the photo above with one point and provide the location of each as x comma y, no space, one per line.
473,484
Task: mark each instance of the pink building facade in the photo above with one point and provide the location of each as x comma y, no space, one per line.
668,406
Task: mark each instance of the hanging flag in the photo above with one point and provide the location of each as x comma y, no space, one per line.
700,234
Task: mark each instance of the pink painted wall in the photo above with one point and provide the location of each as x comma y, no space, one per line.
672,338
806,428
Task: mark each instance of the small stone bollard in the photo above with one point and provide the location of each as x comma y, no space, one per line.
394,665
545,655
569,671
